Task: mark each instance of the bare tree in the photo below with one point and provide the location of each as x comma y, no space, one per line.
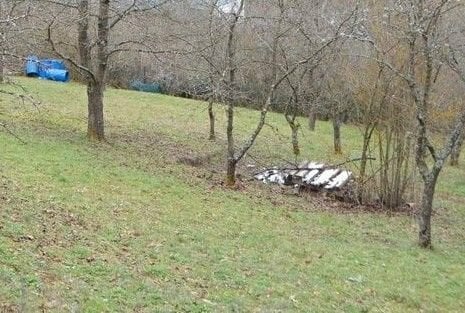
386,136
96,49
336,98
336,94
424,20
300,86
278,73
205,50
456,151
12,13
229,82
426,40
212,69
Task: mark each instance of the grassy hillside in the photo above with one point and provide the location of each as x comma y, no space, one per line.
122,227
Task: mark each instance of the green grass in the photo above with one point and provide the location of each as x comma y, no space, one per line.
121,227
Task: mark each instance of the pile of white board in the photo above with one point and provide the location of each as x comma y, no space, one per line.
312,174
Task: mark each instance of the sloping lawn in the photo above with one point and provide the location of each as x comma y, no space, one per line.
123,227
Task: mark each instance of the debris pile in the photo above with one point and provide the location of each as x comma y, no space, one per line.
316,176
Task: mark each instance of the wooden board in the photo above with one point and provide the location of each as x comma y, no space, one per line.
311,174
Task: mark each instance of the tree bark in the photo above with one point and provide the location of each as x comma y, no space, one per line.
83,36
424,219
2,60
231,172
455,154
312,120
211,116
230,85
337,135
2,43
369,129
294,135
96,85
95,125
231,159
295,141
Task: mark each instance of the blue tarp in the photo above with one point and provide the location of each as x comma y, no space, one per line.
57,75
32,66
51,69
146,87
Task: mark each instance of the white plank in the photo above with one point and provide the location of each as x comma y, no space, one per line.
293,172
324,177
308,178
339,180
315,165
302,173
276,178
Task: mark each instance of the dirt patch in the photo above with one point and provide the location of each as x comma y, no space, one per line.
9,308
55,218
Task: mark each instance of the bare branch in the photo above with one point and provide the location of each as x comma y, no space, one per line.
67,58
9,131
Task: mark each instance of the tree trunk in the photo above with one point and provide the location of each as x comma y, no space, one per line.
231,160
2,44
295,138
83,36
230,84
211,116
369,129
366,145
455,154
424,219
337,135
312,120
2,56
2,60
95,126
295,142
96,82
231,172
